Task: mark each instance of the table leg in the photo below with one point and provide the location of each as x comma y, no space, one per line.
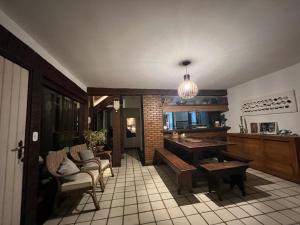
219,189
239,181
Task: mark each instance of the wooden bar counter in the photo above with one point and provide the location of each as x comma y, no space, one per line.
276,155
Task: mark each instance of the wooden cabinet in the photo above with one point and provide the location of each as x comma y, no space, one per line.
276,155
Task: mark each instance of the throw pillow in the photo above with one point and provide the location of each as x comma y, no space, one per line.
86,154
68,167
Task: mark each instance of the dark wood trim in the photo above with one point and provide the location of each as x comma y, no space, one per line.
17,51
31,153
104,103
142,153
41,74
66,89
94,91
117,142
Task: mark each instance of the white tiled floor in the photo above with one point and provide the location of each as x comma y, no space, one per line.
147,195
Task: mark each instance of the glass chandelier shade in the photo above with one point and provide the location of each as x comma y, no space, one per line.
116,104
187,89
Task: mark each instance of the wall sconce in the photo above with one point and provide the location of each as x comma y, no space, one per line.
116,104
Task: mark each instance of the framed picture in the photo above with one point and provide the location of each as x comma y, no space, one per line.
268,128
254,128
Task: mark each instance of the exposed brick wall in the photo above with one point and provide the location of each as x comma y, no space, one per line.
153,125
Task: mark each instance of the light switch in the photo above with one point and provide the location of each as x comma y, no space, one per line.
35,136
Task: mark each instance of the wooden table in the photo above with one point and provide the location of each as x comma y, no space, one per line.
195,146
216,172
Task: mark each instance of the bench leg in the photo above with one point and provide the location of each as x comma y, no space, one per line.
184,180
239,181
209,181
179,183
189,182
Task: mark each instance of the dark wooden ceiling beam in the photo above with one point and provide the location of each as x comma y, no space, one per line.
94,91
109,100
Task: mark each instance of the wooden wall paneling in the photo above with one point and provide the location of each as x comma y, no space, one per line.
117,144
1,77
14,86
252,148
30,174
91,113
13,111
277,155
280,157
85,115
40,73
21,135
4,137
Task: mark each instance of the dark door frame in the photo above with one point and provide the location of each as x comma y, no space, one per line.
41,73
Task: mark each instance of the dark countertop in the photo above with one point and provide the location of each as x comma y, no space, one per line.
193,143
265,136
197,130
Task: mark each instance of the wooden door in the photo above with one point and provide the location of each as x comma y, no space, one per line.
13,107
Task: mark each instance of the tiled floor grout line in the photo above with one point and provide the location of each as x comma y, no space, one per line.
272,189
162,202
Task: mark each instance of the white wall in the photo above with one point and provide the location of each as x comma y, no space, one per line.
14,28
277,82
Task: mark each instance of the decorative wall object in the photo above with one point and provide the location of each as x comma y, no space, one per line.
241,125
268,128
254,128
278,103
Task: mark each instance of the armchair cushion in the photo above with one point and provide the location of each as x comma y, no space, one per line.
83,180
86,154
68,167
104,163
93,165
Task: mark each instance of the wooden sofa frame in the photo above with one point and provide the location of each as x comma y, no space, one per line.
53,162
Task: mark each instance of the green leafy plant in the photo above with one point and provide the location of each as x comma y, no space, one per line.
221,117
95,138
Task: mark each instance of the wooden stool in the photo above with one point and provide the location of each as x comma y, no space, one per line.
235,170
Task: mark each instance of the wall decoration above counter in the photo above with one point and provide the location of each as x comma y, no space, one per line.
278,103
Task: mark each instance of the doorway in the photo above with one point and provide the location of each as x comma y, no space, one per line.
13,111
132,124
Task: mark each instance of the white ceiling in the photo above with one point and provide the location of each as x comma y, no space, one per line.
139,43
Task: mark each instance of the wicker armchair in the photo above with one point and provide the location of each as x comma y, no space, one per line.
104,163
85,181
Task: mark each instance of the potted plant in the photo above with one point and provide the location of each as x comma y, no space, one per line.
95,139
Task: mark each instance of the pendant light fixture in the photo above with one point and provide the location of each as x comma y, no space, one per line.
187,89
116,104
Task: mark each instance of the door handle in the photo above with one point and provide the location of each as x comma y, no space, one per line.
19,150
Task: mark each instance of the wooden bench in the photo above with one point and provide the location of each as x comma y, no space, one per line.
183,170
224,155
216,172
